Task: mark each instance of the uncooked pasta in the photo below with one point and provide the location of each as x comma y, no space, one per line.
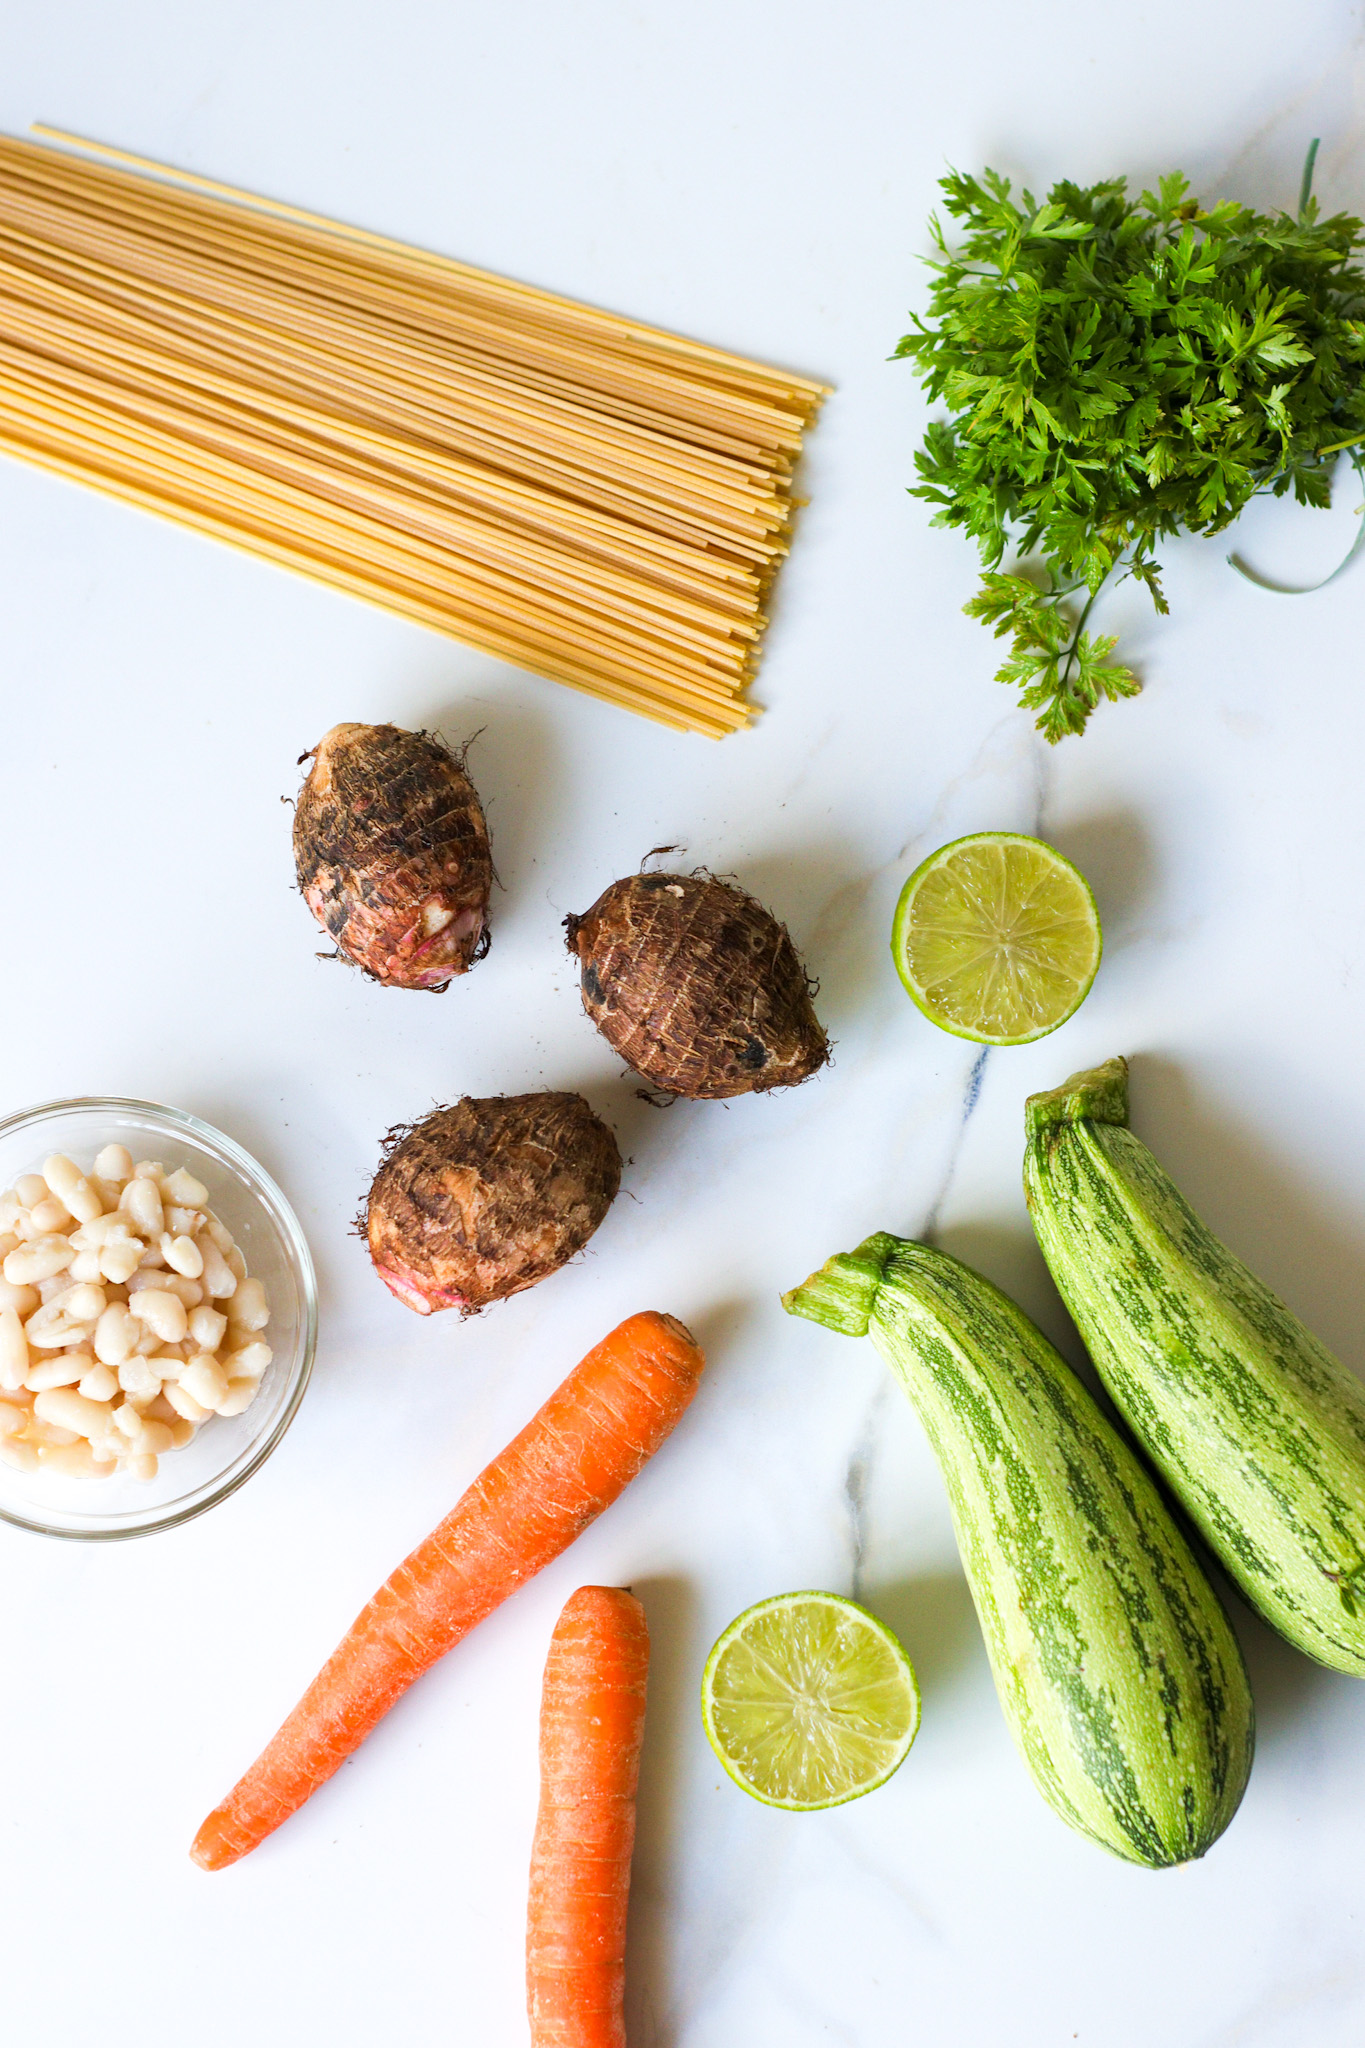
599,501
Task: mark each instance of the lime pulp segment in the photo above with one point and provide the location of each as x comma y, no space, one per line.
997,938
808,1700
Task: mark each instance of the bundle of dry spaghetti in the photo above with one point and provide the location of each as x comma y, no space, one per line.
600,502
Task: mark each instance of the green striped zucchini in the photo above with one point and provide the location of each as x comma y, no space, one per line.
1256,1428
1120,1677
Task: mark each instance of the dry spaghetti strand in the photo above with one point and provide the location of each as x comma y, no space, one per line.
600,501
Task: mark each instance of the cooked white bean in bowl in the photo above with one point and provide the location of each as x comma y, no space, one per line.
152,1326
157,1317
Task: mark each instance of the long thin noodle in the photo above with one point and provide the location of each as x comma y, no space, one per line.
602,502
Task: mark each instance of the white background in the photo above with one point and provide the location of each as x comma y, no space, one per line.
757,175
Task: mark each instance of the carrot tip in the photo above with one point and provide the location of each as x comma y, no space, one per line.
208,1848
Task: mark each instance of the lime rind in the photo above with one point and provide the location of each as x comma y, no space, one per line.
997,938
809,1701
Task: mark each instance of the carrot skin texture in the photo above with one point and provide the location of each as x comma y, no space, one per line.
596,1431
592,1725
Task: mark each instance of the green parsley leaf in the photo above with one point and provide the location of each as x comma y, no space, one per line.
1117,371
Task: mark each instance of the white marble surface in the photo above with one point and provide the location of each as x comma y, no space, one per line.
757,175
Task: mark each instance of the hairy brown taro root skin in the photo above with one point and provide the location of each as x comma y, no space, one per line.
482,1200
392,855
697,986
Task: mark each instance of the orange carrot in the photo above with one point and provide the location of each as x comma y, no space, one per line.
572,1459
592,1723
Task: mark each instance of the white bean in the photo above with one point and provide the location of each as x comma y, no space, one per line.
61,1173
207,1328
169,1364
119,1259
184,1404
70,1186
116,1335
99,1384
75,1461
236,1263
19,1453
161,1311
10,1205
248,1309
139,1378
127,1419
141,1203
49,1329
23,1300
251,1361
41,1432
101,1230
204,1381
49,1289
83,1303
182,1187
13,1351
145,1277
147,1343
62,1371
188,1291
144,1465
182,1432
153,1437
239,1396
8,1243
115,1162
160,1410
85,1266
49,1215
184,1222
13,1421
30,1188
70,1410
217,1232
219,1279
182,1255
40,1259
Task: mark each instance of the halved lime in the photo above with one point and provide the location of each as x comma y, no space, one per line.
808,1700
997,938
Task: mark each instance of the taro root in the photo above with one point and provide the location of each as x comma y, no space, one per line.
392,854
477,1202
697,986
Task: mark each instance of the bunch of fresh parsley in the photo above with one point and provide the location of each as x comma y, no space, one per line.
1117,371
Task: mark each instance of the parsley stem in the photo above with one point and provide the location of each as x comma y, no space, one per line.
1069,658
1307,185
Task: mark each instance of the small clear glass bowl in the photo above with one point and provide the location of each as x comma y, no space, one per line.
227,1449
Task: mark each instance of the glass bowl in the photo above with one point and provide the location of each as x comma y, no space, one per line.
227,1449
